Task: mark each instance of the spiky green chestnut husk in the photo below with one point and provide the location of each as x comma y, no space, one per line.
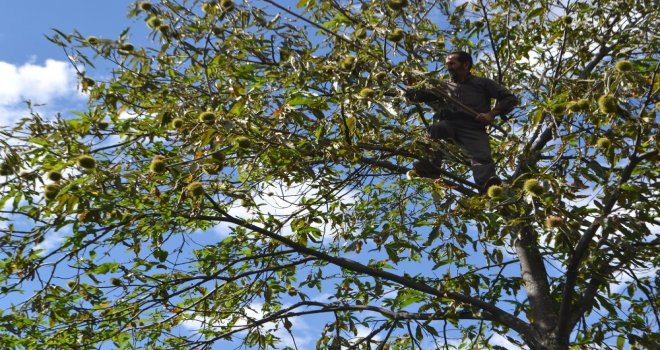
207,117
397,5
84,216
396,34
146,6
89,82
348,63
154,22
553,221
51,191
243,142
54,176
177,123
218,32
6,169
558,109
624,66
195,189
604,143
164,29
533,187
116,282
218,156
86,162
495,192
440,42
209,7
367,92
111,100
211,168
567,19
570,106
608,104
227,5
158,165
582,105
380,76
92,40
103,125
126,47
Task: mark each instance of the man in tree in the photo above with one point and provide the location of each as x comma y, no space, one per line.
459,124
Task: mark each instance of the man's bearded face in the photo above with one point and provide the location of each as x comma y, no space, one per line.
455,67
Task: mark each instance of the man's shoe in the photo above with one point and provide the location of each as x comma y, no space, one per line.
425,168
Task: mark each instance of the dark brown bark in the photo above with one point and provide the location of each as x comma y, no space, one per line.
535,278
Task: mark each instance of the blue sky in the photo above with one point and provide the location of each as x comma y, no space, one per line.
33,68
24,23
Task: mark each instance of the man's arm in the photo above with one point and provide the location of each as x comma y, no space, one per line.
506,101
421,95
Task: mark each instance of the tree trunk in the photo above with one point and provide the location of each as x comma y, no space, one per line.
543,309
550,342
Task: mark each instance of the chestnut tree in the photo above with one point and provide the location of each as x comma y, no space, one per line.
246,168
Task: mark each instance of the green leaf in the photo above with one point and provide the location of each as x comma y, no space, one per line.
310,213
620,342
109,267
537,12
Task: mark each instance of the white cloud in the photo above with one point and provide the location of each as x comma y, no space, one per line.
303,334
322,297
282,202
41,84
363,332
503,342
50,242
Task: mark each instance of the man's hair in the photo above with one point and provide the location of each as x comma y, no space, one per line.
463,57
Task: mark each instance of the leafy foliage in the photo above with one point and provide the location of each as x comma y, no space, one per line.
284,130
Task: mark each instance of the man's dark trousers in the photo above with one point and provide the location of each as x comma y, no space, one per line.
472,137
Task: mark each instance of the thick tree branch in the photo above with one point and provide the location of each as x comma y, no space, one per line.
534,147
371,335
447,178
320,307
602,53
582,246
535,277
495,313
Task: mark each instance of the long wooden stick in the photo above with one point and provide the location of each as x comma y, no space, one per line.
465,108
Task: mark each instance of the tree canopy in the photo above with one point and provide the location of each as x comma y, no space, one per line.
248,169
